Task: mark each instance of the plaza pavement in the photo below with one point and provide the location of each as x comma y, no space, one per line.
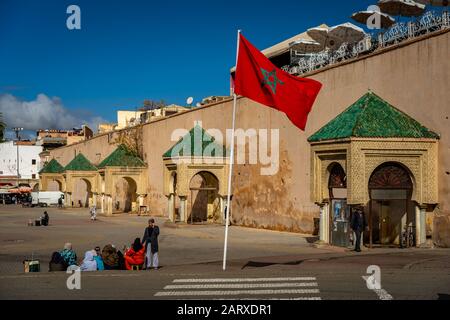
262,264
179,244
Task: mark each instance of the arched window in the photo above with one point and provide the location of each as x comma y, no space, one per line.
337,183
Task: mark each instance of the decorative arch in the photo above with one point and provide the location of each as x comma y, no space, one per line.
394,172
204,199
52,183
337,177
82,192
125,194
210,179
47,180
391,175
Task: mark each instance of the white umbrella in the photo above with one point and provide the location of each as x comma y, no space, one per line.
306,46
323,36
347,32
405,8
364,17
436,3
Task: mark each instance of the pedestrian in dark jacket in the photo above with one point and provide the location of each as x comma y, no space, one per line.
150,239
358,225
57,263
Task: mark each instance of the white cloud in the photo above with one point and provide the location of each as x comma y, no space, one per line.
42,113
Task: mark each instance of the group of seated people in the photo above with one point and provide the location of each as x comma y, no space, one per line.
107,259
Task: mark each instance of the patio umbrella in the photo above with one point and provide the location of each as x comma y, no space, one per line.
363,17
306,46
405,8
322,36
435,3
347,32
24,189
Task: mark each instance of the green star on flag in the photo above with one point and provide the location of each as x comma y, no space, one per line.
271,83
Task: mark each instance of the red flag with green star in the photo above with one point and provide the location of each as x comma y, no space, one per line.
258,79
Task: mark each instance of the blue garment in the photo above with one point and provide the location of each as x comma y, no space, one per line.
100,265
69,256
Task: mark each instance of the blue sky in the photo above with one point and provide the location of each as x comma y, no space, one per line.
131,50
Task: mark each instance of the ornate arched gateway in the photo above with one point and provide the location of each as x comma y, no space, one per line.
390,163
116,184
195,179
204,200
390,207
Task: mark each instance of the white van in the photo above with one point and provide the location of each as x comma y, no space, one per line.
46,198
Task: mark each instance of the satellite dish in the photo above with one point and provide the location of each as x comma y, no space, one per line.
189,100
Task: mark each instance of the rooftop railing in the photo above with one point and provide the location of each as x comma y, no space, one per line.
402,31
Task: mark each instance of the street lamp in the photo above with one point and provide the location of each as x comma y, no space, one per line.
17,130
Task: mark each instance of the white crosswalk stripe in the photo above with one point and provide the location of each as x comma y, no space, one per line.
245,279
289,288
243,285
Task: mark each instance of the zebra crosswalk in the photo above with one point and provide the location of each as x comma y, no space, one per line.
289,288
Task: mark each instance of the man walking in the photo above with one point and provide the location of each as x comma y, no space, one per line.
358,225
150,240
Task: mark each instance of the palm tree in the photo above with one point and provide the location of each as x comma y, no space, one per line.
2,127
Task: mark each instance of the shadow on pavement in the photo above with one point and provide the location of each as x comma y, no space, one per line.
256,264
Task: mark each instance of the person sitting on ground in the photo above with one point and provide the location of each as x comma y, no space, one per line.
110,257
135,256
69,256
89,263
98,259
45,219
57,263
121,260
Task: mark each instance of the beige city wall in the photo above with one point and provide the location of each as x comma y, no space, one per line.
413,77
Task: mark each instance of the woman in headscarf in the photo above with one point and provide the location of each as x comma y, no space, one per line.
98,259
89,263
135,256
69,256
110,258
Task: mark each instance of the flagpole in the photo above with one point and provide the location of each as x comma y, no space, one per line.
230,174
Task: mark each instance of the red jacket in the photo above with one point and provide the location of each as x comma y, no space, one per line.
134,258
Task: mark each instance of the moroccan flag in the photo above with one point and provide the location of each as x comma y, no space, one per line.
258,79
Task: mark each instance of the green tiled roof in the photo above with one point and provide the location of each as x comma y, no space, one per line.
122,157
372,117
52,167
196,149
80,163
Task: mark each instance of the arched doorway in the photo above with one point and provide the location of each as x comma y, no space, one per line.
204,200
390,208
82,193
340,212
54,185
125,197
